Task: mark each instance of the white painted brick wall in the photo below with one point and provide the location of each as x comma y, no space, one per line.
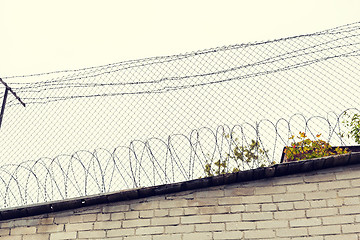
319,205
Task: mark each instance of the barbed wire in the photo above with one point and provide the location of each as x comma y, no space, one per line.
274,88
140,164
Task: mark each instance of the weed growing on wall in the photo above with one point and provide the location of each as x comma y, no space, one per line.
309,149
352,122
240,155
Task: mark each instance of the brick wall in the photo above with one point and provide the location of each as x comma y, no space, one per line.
317,205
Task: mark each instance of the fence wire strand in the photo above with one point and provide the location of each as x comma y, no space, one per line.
160,120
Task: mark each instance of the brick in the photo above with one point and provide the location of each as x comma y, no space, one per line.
145,237
289,214
316,177
349,192
50,228
165,221
173,203
264,233
22,230
309,187
209,194
352,201
268,207
318,203
4,231
36,236
237,208
114,238
47,221
270,190
320,212
230,201
62,235
115,208
180,229
101,217
355,182
320,195
209,227
301,205
285,206
241,191
307,222
357,218
288,180
257,199
342,237
334,185
149,230
239,225
92,234
335,202
306,238
12,238
89,217
134,223
88,210
351,228
199,235
349,209
117,216
78,227
273,224
75,219
176,212
151,205
167,237
60,220
340,219
291,232
147,214
288,197
347,175
195,219
62,214
228,235
108,225
214,210
225,217
257,216
252,208
257,183
132,215
120,232
200,202
161,212
191,211
322,230
21,223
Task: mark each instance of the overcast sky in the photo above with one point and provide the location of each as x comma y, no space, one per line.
42,35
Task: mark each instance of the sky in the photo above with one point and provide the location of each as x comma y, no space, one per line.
41,35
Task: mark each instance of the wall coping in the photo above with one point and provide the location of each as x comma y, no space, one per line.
276,170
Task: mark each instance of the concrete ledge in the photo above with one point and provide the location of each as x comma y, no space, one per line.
281,169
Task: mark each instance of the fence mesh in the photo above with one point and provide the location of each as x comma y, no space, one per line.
160,120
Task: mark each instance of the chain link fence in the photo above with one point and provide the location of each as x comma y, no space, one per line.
160,120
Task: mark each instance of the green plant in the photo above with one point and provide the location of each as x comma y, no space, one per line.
353,122
308,149
240,154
